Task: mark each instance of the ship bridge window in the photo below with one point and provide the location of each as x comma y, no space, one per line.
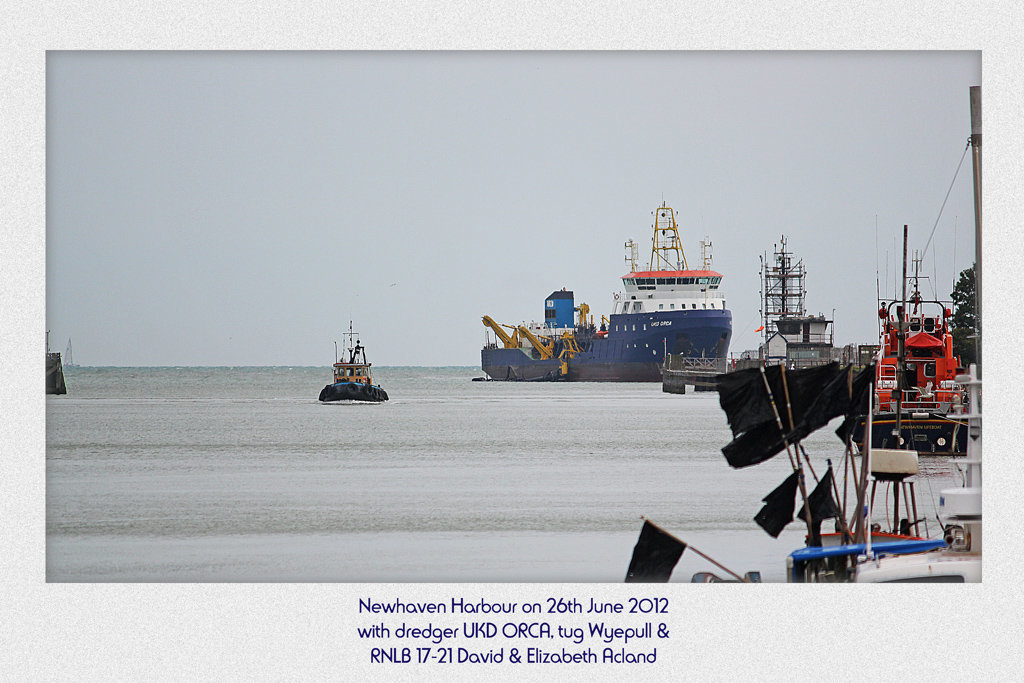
694,305
661,306
915,324
671,305
929,369
662,281
929,325
702,281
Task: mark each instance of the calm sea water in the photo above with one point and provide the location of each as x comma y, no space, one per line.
240,474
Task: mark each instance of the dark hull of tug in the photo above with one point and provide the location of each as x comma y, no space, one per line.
351,391
935,434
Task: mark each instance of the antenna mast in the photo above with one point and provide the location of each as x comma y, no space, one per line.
632,253
705,252
666,239
784,289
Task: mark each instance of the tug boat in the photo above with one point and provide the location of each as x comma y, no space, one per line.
352,379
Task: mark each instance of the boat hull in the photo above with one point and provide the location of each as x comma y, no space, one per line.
931,434
352,391
633,351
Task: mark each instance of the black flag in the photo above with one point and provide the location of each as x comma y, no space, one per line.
752,414
654,556
859,406
816,395
754,445
823,505
778,506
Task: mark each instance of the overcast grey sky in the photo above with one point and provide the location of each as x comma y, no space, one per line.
238,208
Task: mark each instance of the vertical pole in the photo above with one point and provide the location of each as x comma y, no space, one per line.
901,353
814,537
865,466
906,502
976,155
913,499
896,507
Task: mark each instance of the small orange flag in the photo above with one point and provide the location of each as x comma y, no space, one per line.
759,329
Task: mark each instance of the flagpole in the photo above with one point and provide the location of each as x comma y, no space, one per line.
865,464
778,420
799,468
690,547
864,478
843,528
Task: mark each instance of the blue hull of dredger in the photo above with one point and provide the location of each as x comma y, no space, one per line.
633,351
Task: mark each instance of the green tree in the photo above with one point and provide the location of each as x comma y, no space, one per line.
965,318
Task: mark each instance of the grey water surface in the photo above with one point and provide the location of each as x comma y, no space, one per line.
240,474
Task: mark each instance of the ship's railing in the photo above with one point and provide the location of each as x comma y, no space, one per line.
919,406
679,362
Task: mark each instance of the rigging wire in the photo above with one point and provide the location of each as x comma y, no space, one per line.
952,182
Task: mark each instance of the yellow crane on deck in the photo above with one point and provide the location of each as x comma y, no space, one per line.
585,317
569,349
546,350
510,342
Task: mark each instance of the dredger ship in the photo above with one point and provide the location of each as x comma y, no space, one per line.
667,308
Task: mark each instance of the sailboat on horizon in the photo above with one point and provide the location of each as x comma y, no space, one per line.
68,361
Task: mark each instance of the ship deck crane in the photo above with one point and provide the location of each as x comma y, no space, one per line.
569,349
545,350
510,342
585,317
